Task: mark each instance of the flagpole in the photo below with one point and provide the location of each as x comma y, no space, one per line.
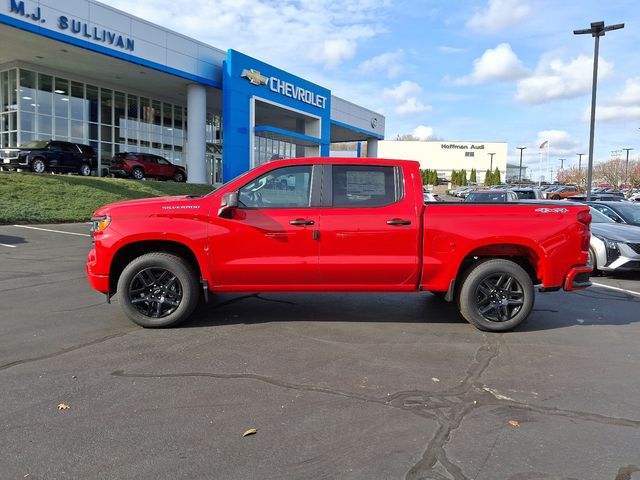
539,169
548,166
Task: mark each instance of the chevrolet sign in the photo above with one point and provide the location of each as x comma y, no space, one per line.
285,88
254,77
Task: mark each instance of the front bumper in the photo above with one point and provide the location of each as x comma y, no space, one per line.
14,162
99,282
118,172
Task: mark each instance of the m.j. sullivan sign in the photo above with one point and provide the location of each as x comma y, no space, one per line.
78,28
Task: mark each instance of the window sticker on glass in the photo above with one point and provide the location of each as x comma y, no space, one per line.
365,183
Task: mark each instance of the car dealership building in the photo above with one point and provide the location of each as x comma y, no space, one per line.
81,71
446,156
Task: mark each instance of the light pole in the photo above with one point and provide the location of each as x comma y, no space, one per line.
491,165
561,167
626,169
597,30
520,169
579,161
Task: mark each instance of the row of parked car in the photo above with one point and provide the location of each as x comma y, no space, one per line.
615,228
41,156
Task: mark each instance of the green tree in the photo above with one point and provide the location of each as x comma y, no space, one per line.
472,177
488,178
463,177
496,176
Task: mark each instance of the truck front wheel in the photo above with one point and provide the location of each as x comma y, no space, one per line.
496,295
158,290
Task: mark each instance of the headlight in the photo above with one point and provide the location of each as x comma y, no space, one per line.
98,224
608,243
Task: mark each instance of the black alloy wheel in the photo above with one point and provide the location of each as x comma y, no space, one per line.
158,290
155,292
496,295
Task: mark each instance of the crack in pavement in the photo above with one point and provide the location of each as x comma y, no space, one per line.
64,350
448,408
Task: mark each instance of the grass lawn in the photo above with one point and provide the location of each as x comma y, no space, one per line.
47,198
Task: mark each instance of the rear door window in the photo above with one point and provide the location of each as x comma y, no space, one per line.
365,185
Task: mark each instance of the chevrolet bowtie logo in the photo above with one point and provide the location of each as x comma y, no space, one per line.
254,77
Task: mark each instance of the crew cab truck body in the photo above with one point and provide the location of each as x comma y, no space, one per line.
340,225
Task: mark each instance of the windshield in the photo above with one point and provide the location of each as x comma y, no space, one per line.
598,217
487,197
35,144
629,211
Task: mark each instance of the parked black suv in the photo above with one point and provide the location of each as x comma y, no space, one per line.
42,155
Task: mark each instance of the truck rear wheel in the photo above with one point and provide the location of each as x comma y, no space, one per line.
496,295
158,290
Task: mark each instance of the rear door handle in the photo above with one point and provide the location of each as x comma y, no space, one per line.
398,221
300,221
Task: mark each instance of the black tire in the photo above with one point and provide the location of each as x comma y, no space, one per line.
38,165
555,197
84,170
179,177
137,173
158,290
496,295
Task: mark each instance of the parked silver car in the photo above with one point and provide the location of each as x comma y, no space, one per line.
614,247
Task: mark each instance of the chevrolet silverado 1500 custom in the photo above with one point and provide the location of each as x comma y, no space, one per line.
339,225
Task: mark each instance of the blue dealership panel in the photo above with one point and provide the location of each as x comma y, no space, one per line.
244,77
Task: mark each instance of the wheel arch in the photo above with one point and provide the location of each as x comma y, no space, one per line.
128,252
525,256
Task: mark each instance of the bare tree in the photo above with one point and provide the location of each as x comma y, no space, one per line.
611,172
573,175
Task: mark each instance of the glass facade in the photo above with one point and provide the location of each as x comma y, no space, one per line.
267,149
37,106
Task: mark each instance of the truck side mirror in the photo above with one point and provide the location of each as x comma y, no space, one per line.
228,203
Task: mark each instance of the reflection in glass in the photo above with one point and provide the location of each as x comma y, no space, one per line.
44,126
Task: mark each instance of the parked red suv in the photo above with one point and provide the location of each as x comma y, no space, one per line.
140,165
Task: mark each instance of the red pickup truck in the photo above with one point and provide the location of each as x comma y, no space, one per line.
340,225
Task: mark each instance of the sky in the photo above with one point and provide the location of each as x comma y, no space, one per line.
459,70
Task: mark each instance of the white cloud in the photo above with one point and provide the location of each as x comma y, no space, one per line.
446,49
498,15
498,64
405,96
388,63
555,79
422,132
289,34
560,142
622,108
333,52
403,90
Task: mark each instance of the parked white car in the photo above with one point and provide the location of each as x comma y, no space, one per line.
614,247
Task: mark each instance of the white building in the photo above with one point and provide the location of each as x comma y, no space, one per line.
445,156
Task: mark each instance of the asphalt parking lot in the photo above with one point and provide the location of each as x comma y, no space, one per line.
337,386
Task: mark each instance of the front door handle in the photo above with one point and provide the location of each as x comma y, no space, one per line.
300,221
398,221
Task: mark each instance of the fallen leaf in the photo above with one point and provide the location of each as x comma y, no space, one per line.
63,406
251,431
514,423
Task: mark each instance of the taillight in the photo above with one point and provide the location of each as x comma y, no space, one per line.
584,217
